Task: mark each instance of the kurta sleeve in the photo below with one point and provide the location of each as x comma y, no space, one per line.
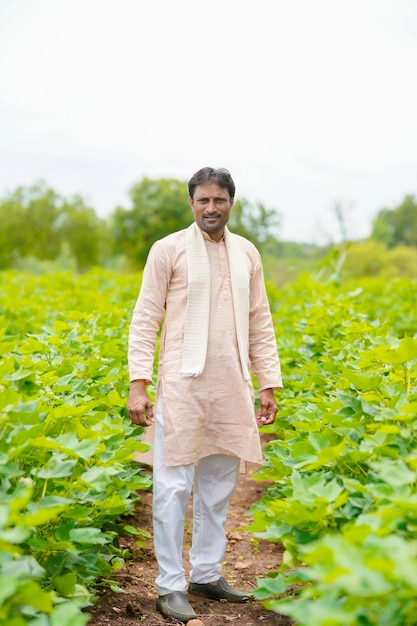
263,351
148,314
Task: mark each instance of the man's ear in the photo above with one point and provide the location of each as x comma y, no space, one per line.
232,201
191,201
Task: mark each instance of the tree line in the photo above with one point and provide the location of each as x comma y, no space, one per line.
40,224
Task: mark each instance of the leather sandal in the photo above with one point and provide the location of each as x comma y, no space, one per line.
220,591
175,605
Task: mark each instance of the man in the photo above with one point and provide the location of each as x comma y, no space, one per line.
206,286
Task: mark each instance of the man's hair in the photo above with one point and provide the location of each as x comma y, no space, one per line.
208,175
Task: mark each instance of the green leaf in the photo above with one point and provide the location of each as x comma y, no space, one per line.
8,587
349,401
21,374
92,536
65,584
394,472
15,535
83,449
32,594
25,567
99,477
362,380
406,351
115,399
42,516
69,614
58,467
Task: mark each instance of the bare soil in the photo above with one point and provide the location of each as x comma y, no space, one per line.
245,559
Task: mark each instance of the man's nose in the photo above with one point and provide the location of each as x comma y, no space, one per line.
211,207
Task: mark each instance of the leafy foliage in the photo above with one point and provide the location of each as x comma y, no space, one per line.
397,226
38,223
342,467
255,222
373,258
42,231
343,498
159,207
66,446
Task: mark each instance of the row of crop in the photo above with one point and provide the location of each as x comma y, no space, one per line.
343,466
66,469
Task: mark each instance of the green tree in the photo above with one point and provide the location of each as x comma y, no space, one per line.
28,216
84,232
14,237
255,222
397,226
39,223
159,207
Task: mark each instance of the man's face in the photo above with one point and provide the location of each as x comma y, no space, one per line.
211,206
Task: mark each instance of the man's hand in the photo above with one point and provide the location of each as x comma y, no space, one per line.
268,407
139,406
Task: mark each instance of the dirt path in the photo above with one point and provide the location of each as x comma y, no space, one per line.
245,559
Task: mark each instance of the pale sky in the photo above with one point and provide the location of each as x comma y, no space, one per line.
306,102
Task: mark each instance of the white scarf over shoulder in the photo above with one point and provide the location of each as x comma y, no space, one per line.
198,301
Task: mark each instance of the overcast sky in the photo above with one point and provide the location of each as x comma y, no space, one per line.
307,102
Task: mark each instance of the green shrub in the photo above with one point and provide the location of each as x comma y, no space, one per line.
66,448
343,465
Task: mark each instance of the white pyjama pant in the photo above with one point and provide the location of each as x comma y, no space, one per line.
214,479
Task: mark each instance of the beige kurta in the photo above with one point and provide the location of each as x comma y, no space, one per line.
212,413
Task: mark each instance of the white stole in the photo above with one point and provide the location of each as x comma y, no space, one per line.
198,301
